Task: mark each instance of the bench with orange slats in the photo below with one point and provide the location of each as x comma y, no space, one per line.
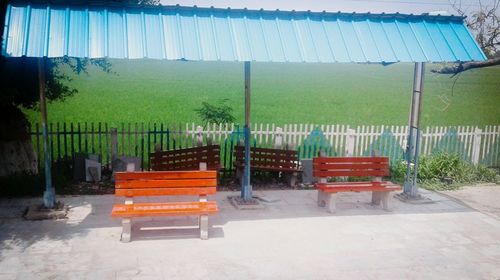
374,167
165,183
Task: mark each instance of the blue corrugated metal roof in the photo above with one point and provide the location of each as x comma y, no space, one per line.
190,33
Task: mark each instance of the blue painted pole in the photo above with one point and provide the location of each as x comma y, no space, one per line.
246,189
49,194
411,183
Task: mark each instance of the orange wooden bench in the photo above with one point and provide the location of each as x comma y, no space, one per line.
374,167
164,183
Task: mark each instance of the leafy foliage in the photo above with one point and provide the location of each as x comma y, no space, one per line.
19,78
218,113
446,171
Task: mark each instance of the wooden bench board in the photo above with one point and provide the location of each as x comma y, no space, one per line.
268,159
363,186
186,159
164,209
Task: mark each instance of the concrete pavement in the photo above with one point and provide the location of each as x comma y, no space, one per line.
291,238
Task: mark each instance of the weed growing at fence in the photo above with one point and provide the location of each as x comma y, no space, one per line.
446,171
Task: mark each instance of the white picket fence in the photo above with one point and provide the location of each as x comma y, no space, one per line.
479,145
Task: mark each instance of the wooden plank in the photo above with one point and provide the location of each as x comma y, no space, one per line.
360,189
356,184
241,149
188,150
351,173
349,166
349,159
165,191
164,209
166,175
193,156
158,183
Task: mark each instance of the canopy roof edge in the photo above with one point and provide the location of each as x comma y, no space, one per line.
108,29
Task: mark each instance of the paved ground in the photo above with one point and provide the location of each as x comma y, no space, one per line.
290,239
484,198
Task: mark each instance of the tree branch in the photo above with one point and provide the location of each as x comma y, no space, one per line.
460,67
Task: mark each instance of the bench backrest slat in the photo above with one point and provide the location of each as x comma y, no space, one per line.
186,159
268,157
165,183
351,166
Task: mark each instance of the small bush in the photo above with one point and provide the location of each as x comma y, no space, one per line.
398,171
219,113
446,171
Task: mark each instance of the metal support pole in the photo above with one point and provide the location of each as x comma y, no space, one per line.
49,194
246,189
413,147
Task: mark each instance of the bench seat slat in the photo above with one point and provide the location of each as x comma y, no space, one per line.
358,186
356,173
182,183
165,175
350,166
351,159
165,191
361,189
164,209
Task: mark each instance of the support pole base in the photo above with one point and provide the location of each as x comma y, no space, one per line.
418,199
49,198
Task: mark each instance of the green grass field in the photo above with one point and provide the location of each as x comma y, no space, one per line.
160,91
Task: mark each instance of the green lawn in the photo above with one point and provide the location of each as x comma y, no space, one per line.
160,91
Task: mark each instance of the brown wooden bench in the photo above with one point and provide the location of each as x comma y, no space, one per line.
264,159
164,183
374,167
186,159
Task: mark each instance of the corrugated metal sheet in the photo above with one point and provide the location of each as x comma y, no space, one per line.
192,33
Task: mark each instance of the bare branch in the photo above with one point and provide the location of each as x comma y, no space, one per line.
461,67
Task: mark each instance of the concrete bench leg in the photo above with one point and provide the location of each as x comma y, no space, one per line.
321,198
239,175
331,201
126,230
386,200
292,179
376,198
203,227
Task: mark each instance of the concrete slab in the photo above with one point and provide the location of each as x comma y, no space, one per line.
484,197
291,238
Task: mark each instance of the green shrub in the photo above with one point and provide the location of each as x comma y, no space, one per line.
398,171
445,169
219,113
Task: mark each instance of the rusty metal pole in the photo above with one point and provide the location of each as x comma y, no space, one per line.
49,194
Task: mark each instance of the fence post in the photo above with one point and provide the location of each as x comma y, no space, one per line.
350,142
278,138
114,143
476,145
199,136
